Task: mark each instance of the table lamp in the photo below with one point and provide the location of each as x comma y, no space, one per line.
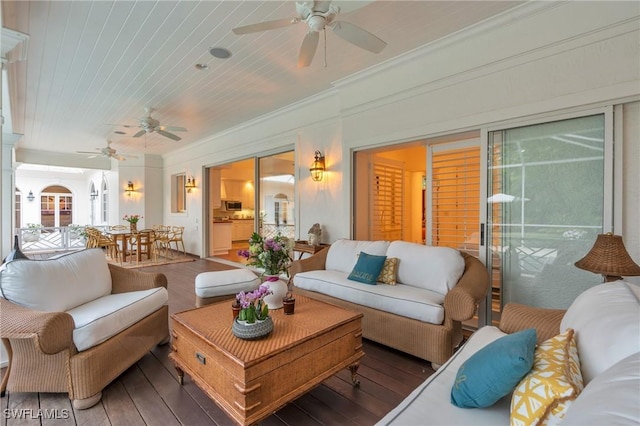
609,258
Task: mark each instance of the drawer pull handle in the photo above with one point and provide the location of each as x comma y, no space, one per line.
201,358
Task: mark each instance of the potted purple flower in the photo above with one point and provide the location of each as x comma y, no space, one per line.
253,321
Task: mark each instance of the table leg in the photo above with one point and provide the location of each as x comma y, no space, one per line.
180,375
354,372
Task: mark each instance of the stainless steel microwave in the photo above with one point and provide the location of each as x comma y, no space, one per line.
232,206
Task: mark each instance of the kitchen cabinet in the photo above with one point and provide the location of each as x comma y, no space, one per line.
215,187
240,190
220,238
241,230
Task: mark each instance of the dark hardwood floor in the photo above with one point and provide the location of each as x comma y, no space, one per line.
148,393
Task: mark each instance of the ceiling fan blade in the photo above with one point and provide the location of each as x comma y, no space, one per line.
140,133
169,135
356,35
265,26
91,154
172,128
125,156
308,49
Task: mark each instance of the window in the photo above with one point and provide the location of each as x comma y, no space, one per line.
178,193
105,201
18,208
545,207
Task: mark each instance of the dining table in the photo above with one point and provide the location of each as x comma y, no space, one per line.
124,236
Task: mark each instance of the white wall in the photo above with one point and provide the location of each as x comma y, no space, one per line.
544,57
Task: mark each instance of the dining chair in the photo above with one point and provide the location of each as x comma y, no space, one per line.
144,243
97,239
176,237
162,239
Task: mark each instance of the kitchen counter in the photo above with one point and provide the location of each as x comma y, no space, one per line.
222,221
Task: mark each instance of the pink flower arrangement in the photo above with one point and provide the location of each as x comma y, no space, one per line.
134,218
252,304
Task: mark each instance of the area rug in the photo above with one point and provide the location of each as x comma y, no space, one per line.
145,263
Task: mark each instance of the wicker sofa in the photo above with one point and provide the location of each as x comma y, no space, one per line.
606,323
74,323
452,300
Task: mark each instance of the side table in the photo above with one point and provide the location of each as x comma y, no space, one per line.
302,247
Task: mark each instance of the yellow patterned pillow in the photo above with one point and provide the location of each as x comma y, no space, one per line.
388,273
544,395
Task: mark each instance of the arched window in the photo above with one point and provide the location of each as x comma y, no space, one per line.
105,201
56,206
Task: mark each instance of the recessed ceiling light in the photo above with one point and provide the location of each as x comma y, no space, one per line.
220,52
119,132
202,67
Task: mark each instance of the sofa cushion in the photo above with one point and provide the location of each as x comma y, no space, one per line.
611,398
56,285
546,392
389,270
403,300
494,371
429,403
343,254
606,320
367,268
102,318
432,268
222,283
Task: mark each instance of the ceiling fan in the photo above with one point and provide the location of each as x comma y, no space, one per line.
149,124
108,152
318,15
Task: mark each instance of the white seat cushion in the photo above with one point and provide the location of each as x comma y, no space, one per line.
222,283
432,268
606,319
612,398
343,254
56,285
100,319
403,300
430,403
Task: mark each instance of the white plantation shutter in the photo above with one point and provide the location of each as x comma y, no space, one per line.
455,198
386,200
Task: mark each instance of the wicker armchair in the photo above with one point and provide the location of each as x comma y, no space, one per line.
44,358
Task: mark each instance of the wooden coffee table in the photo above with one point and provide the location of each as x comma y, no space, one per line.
250,380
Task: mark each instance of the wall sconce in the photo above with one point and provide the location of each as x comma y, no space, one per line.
129,189
94,194
317,167
609,257
190,184
31,197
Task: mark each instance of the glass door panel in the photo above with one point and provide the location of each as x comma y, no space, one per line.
276,208
546,196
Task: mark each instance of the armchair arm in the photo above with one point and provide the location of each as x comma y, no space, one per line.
516,317
312,263
124,280
54,329
461,302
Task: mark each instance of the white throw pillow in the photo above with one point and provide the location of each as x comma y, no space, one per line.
612,398
432,268
56,285
343,254
606,319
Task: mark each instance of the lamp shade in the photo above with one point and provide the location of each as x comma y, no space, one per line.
609,257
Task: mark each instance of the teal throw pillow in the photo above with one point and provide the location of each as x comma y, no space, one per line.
367,268
494,370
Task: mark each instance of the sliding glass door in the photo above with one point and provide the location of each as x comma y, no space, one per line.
546,203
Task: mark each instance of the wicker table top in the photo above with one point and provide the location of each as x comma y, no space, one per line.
312,318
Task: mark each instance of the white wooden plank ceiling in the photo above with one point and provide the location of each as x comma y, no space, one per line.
91,63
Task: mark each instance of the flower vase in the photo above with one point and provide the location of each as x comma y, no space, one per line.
252,331
133,226
279,289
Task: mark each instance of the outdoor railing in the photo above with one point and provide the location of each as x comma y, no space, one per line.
55,238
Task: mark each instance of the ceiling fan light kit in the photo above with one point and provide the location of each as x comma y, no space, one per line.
318,15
